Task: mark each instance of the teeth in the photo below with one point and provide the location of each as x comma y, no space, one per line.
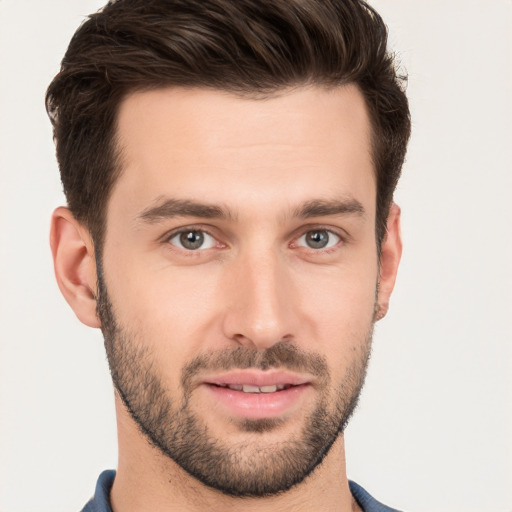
250,389
247,388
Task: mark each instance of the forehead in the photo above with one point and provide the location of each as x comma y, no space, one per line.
242,151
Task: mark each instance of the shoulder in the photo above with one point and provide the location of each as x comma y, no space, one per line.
100,502
367,502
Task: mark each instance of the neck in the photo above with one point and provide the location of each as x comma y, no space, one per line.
146,481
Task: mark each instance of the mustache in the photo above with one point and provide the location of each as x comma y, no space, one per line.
282,355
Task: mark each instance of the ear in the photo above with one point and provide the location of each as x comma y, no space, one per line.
74,264
391,251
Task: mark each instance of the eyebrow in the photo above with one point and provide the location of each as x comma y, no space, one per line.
327,207
171,207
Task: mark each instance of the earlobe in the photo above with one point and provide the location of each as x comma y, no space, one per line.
391,252
74,265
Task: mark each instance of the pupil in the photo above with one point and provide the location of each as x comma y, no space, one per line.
192,239
317,239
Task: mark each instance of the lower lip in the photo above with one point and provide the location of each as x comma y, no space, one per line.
258,405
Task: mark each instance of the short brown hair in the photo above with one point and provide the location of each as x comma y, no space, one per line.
248,47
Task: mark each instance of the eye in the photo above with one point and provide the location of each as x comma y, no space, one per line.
192,240
318,239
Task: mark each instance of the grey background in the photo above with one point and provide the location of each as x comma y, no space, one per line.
434,428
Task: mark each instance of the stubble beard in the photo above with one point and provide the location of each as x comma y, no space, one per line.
245,469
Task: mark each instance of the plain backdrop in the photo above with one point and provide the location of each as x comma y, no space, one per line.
433,431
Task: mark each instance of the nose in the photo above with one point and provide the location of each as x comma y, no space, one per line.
261,302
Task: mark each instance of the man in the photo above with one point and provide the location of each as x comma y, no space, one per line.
229,169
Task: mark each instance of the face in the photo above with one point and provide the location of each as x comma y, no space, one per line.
239,276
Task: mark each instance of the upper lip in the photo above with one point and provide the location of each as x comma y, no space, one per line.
257,378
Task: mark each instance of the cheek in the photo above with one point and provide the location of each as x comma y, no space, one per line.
168,308
348,306
340,308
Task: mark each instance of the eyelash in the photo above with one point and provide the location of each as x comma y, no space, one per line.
320,250
201,229
188,229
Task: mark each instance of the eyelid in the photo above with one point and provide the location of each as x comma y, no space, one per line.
330,243
165,239
208,240
322,227
303,230
341,234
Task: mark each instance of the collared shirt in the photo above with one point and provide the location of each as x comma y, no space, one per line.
100,502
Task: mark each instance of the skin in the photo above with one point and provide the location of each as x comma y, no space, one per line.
257,283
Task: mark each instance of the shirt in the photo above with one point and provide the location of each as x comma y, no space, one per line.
100,502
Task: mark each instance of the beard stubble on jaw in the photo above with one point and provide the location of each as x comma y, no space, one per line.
246,469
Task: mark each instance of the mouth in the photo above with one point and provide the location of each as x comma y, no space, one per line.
248,388
256,394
